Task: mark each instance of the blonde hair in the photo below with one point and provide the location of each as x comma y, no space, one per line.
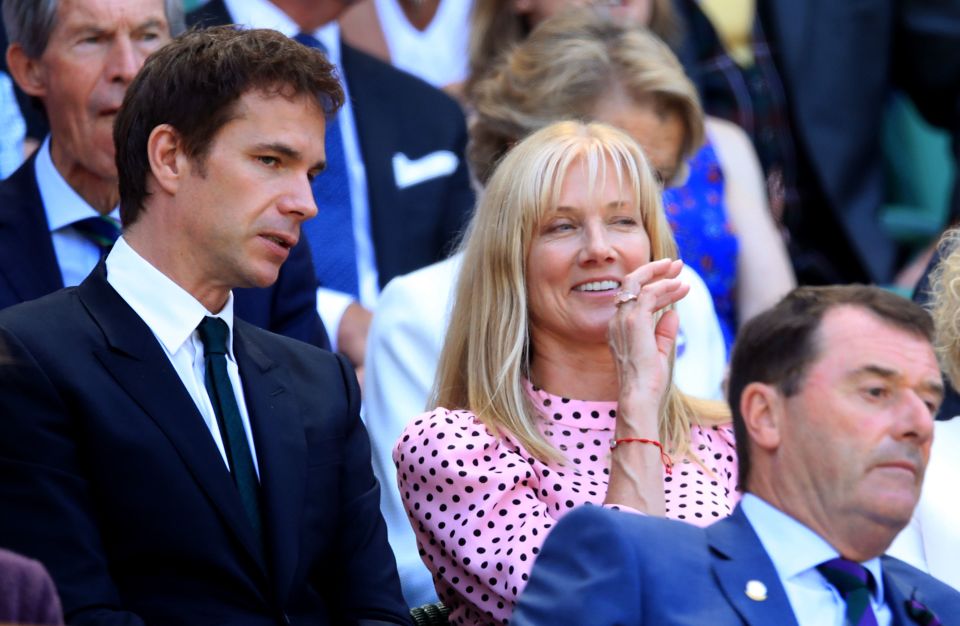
563,70
486,353
495,28
944,305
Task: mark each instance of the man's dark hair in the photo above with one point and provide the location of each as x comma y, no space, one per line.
778,346
194,84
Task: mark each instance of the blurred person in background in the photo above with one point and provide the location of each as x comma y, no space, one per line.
931,541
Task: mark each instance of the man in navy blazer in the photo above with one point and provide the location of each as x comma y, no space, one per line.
410,139
75,170
833,393
167,462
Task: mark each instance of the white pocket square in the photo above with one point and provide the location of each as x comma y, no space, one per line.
408,173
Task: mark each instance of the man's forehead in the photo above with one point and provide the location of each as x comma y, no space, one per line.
858,339
106,13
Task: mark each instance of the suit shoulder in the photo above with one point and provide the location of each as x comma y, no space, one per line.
49,313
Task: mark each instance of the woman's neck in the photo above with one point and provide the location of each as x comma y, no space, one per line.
574,370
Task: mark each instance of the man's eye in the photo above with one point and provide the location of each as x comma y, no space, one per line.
268,160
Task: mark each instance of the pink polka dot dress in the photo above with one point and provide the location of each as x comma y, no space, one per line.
481,505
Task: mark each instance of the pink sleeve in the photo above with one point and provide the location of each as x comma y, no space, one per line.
473,501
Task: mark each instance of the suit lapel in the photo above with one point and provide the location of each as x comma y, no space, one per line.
278,433
138,363
896,595
739,559
27,256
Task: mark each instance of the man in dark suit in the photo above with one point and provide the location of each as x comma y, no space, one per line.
833,393
46,206
403,143
166,461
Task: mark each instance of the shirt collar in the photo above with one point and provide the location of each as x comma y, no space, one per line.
62,204
265,14
169,310
794,548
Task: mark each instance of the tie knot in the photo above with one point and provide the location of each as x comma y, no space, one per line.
310,41
846,575
213,333
102,230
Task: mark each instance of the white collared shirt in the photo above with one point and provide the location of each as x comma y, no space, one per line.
76,255
796,551
173,315
330,304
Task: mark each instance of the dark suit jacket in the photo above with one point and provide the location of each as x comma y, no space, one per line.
839,62
602,567
398,113
109,476
29,268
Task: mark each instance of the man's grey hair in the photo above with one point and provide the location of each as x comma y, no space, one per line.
30,22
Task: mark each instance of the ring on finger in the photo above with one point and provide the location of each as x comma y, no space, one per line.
622,297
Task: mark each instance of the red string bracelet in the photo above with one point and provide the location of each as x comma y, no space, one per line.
664,457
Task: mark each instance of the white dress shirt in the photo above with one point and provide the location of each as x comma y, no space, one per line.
330,304
76,255
437,54
173,315
931,541
796,551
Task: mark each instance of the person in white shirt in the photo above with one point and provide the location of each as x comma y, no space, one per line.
931,541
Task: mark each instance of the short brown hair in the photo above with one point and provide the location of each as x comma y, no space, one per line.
778,346
194,83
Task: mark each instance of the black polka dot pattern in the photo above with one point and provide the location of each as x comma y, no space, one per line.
481,505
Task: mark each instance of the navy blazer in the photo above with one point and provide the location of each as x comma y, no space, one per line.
110,477
397,113
604,567
29,268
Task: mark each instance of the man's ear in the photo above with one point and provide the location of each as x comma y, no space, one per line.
763,411
30,74
168,162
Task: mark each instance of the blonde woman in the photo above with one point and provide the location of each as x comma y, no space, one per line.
587,65
931,541
554,382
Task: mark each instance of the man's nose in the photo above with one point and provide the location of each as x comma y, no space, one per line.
299,201
124,60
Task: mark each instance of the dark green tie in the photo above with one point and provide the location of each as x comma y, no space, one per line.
102,230
213,333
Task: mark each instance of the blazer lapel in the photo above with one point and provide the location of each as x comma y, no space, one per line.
281,447
739,560
897,593
27,257
138,363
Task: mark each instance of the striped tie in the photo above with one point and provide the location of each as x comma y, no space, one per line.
102,231
854,583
